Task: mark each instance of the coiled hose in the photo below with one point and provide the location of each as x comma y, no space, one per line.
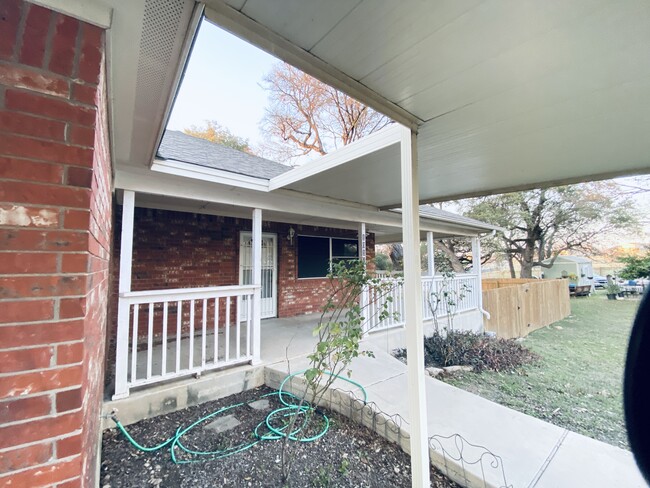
292,406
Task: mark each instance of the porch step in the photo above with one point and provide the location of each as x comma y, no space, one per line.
177,395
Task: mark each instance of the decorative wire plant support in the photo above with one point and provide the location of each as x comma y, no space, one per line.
479,456
389,426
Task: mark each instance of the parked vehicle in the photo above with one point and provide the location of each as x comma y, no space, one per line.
600,281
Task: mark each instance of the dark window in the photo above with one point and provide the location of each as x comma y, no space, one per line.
313,257
316,253
344,248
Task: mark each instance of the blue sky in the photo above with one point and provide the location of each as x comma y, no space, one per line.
222,83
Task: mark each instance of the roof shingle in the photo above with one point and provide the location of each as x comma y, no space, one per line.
178,146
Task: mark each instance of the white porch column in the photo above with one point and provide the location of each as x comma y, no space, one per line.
363,299
126,263
413,311
362,242
431,265
476,255
476,269
257,281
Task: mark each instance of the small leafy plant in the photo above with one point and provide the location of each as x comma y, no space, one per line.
446,297
339,330
612,289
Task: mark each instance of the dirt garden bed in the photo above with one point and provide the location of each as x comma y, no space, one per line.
348,455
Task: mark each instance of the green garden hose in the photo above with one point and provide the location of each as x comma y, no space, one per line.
293,406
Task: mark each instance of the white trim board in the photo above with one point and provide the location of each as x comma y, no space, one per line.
86,10
373,142
204,173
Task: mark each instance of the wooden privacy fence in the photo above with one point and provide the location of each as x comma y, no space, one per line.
494,283
518,309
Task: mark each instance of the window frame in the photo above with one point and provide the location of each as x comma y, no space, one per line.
331,257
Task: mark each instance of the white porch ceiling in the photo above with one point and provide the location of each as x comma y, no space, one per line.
512,94
505,94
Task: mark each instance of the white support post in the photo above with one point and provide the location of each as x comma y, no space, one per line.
476,269
363,299
362,242
126,263
476,256
413,311
431,264
257,281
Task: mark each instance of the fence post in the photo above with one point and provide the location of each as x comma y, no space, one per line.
126,263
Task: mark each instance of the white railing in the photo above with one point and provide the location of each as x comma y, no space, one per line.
173,333
463,290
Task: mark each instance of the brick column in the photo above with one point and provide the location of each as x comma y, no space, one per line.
55,225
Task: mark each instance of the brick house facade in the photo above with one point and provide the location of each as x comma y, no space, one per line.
55,241
188,250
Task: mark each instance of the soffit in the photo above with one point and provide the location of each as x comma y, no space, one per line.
512,94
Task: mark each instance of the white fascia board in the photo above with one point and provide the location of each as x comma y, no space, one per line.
89,11
373,142
213,175
469,229
176,185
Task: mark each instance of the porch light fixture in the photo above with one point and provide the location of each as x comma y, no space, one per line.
291,235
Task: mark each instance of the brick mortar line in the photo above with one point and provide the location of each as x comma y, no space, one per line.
19,348
20,33
41,370
42,393
36,275
52,415
49,40
33,443
44,72
43,183
23,348
42,229
49,96
61,483
63,141
30,251
51,462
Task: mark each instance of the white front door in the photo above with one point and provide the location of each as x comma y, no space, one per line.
269,271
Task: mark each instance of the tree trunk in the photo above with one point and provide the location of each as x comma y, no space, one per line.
511,265
456,265
526,270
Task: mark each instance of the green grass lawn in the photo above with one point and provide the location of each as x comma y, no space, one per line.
578,382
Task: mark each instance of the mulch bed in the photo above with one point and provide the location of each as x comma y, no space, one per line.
349,455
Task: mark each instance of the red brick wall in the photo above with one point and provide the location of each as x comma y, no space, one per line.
184,250
54,245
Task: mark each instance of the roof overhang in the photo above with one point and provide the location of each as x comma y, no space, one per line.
174,191
503,96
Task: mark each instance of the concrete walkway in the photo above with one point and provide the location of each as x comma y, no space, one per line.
534,453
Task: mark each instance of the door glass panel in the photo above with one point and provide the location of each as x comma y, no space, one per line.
267,283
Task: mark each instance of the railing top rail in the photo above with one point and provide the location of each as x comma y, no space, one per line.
429,277
188,293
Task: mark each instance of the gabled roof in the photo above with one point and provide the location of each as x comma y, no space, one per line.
181,147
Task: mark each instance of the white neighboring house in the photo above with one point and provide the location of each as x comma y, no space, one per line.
565,266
